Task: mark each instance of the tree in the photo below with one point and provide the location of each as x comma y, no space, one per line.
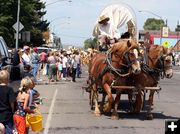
153,24
31,14
90,43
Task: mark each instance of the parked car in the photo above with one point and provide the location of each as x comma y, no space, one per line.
41,49
15,73
3,48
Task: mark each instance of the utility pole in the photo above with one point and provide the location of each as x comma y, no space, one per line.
178,30
17,31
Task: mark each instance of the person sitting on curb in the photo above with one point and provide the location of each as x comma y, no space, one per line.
28,71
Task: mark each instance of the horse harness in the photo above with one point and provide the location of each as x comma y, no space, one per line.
109,68
160,66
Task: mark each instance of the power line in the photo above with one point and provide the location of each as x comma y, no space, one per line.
56,2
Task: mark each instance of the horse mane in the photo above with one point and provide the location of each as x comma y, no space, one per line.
166,50
124,45
162,49
119,46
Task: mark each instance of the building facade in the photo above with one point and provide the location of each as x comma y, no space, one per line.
150,37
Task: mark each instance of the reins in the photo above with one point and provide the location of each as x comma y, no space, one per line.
117,71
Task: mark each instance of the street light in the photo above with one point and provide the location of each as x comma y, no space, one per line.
151,13
147,11
17,31
57,1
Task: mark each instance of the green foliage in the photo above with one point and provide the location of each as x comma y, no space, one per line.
90,43
153,24
31,13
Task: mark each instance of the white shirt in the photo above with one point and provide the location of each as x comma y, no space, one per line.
64,62
26,58
78,59
74,63
108,30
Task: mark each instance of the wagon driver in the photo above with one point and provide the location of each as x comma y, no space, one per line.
105,32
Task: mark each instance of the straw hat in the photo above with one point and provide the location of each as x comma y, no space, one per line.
103,18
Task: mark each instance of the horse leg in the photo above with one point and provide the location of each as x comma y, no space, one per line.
91,99
130,98
115,115
150,101
103,101
95,96
139,101
107,89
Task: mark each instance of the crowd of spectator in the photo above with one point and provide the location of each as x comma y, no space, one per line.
56,65
29,66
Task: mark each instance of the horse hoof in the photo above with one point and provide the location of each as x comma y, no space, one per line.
107,110
149,117
97,114
114,117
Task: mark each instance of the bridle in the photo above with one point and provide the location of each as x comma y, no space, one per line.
127,59
160,66
125,66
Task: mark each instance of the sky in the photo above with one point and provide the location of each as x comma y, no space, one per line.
73,21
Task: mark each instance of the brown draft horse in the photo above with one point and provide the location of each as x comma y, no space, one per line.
120,61
158,64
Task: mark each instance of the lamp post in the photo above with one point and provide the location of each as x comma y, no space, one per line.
56,2
17,31
178,30
147,11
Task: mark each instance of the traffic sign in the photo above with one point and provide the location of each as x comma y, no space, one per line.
165,32
166,43
15,26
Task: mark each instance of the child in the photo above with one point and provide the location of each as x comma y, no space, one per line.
22,106
2,129
34,94
27,71
7,99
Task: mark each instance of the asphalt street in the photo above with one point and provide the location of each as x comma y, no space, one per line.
66,110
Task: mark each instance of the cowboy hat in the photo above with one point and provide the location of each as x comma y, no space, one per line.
103,18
